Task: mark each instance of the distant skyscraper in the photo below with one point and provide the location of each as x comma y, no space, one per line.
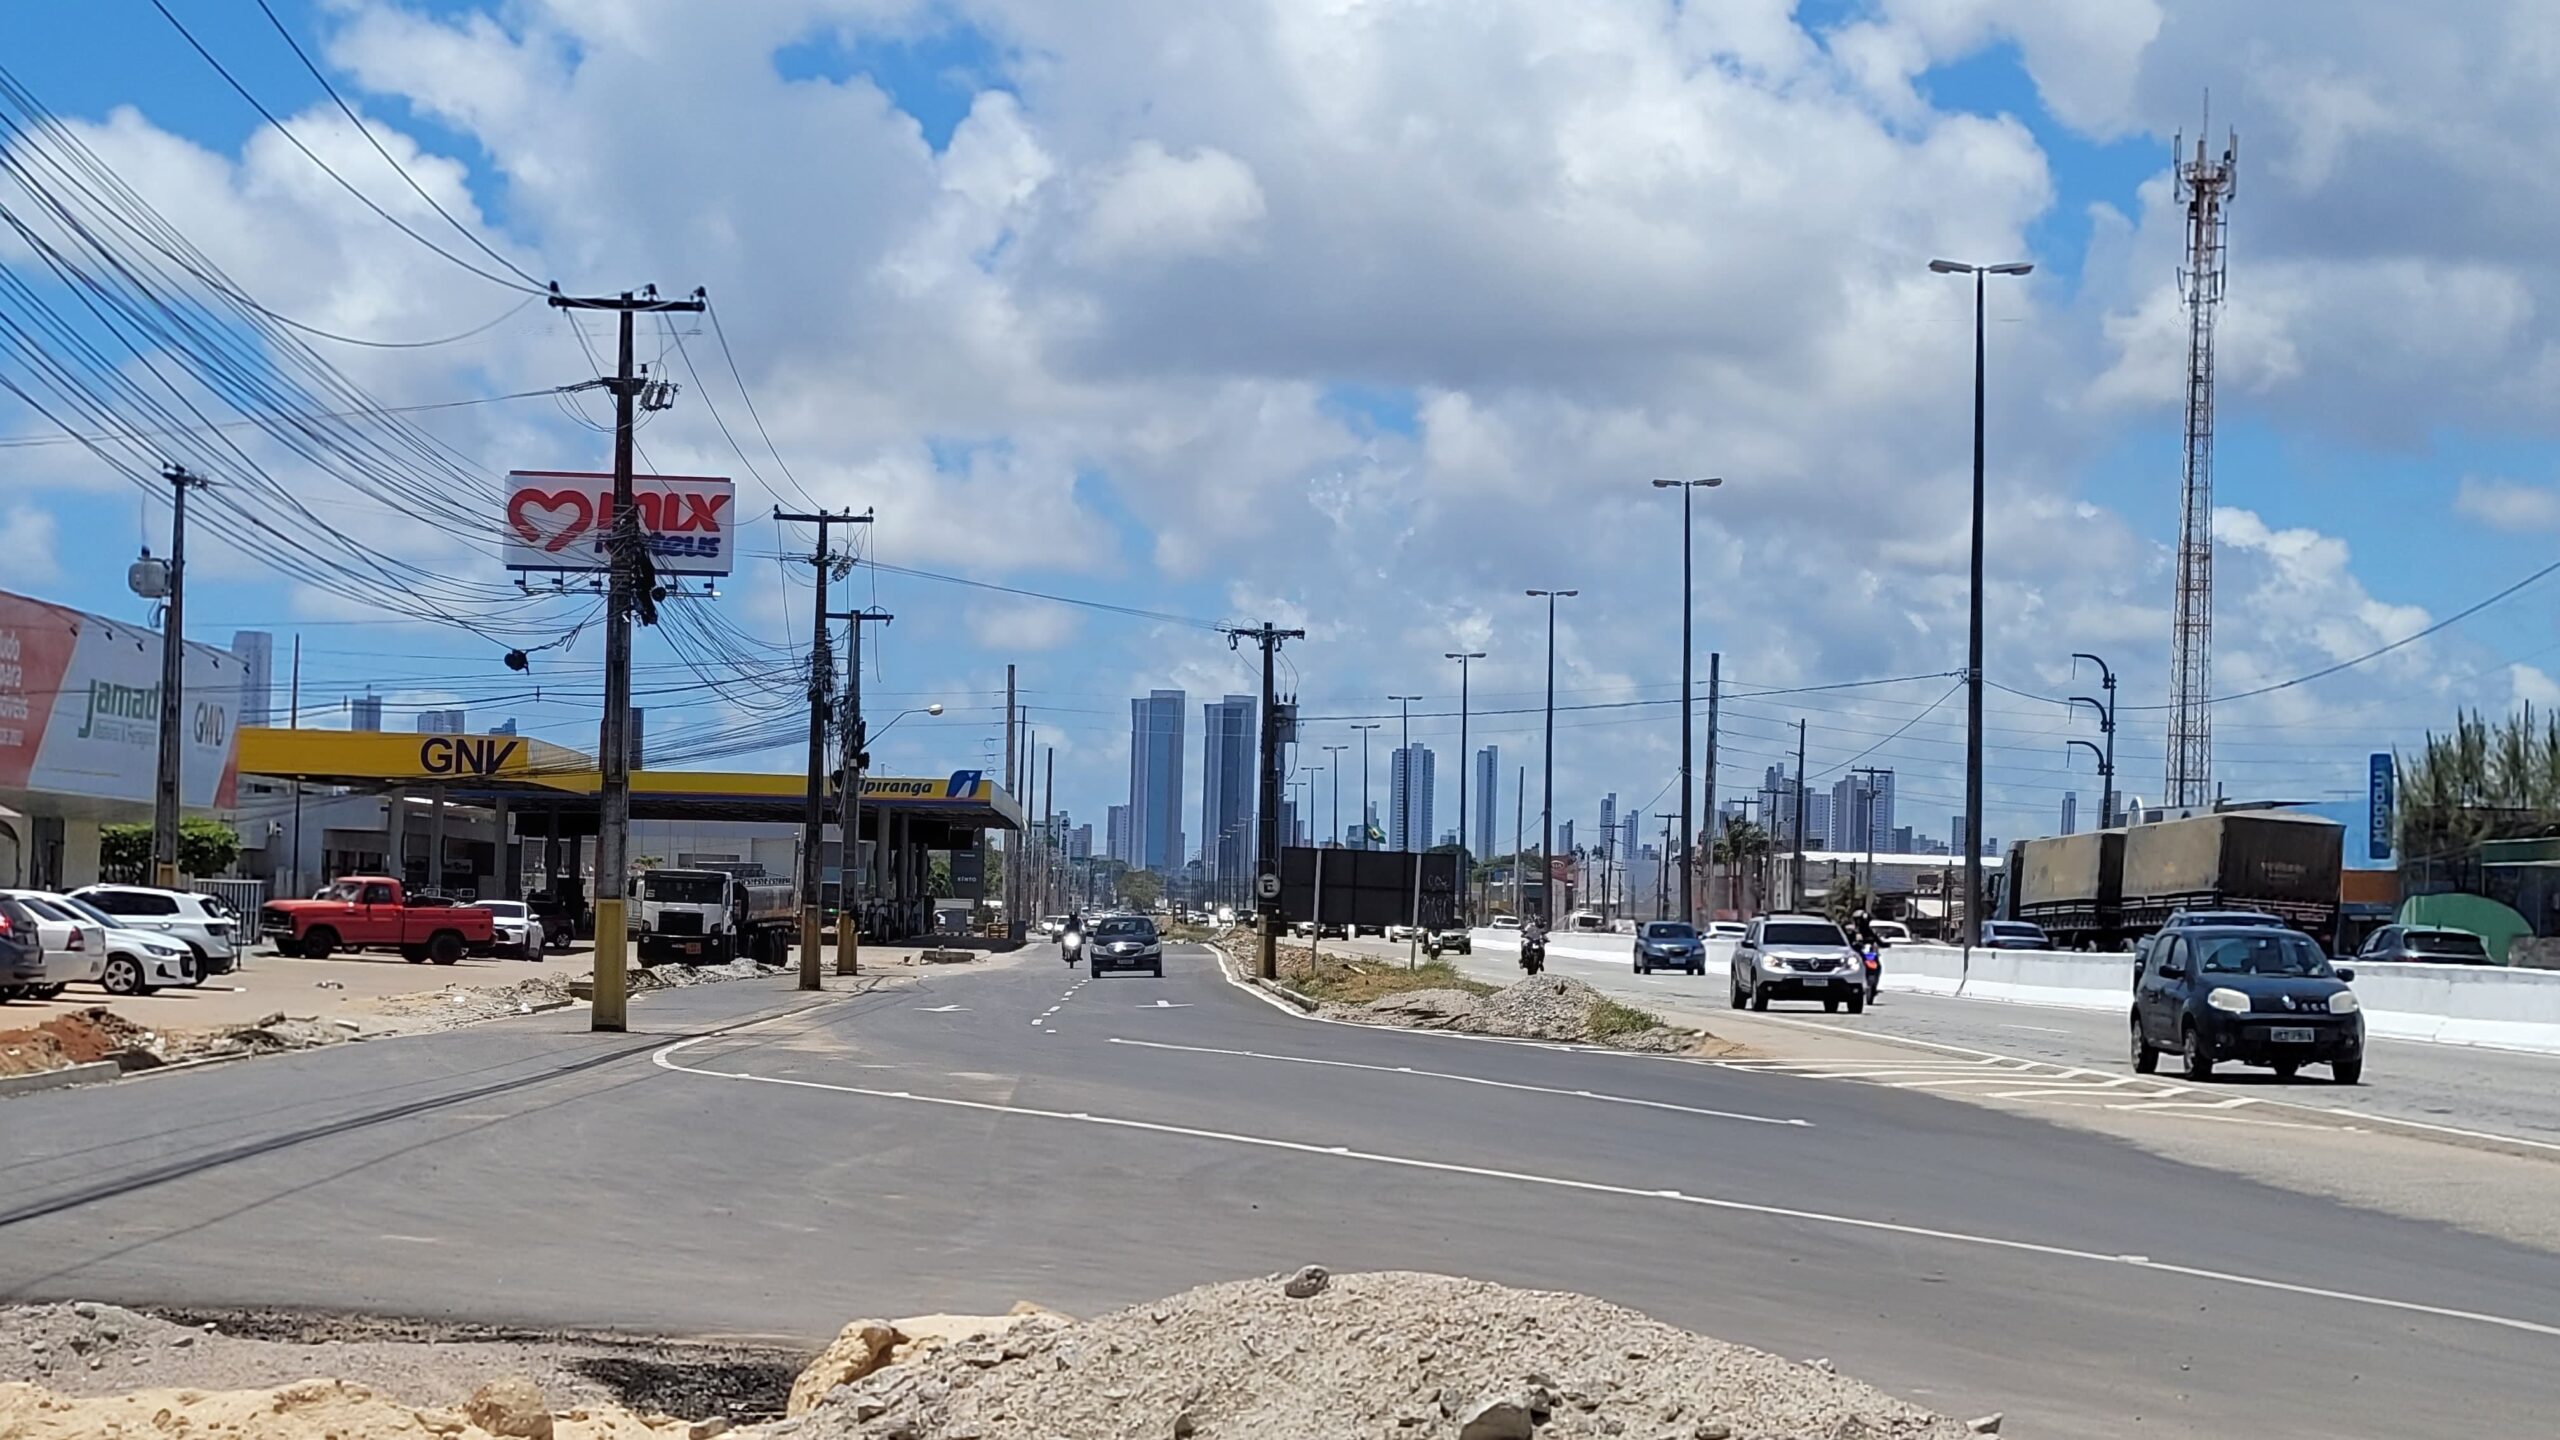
1080,843
1412,780
1564,837
443,722
1115,831
1608,815
1955,834
2070,812
1818,816
1155,781
1902,840
507,727
1862,812
1483,802
257,652
364,712
1227,831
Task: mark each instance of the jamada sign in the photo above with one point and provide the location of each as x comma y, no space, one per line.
558,520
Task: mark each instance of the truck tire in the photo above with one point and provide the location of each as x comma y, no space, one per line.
318,942
445,947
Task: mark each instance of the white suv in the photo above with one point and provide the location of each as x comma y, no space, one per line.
189,919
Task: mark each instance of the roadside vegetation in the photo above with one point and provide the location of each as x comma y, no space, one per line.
1611,1020
1357,980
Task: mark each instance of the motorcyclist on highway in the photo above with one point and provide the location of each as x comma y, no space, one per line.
1862,933
1533,945
1071,937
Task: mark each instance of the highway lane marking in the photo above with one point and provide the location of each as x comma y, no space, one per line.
2039,1029
664,1058
938,1009
1470,1080
2378,1120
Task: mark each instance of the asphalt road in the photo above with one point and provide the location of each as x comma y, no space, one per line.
753,1162
2498,1092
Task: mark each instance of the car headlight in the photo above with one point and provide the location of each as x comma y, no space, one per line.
2344,1003
2227,1000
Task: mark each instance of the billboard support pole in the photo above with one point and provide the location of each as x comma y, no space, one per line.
632,579
1266,860
167,793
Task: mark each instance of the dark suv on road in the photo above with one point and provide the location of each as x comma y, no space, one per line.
2253,994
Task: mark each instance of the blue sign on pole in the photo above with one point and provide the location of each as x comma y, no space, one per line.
2379,810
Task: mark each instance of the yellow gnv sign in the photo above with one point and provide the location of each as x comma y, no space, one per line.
466,755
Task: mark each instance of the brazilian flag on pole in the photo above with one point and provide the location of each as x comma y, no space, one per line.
1377,836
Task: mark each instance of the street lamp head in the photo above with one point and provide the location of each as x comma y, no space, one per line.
1463,655
1950,267
934,709
1568,594
2014,267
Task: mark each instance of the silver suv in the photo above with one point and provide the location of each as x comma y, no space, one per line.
1796,957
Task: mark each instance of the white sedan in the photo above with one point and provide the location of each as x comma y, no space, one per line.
519,930
138,961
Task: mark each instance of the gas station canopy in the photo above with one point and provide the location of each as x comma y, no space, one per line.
542,779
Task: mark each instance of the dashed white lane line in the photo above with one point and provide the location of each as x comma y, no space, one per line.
664,1058
1471,1080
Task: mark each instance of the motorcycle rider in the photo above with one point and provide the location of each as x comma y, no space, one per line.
1870,951
1071,936
1533,945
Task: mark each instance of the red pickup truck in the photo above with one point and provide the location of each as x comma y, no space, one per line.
371,912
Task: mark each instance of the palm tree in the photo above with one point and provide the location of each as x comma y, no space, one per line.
2481,782
1742,841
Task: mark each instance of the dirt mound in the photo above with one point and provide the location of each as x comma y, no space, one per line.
79,1038
304,1410
1312,1357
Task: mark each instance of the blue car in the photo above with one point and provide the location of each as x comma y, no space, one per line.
1669,945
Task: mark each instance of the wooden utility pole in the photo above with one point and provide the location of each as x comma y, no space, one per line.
857,762
630,592
1266,860
813,811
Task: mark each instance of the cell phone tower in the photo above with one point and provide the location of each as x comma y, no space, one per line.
2207,186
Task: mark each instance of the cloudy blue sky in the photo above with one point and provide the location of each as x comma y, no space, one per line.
1367,316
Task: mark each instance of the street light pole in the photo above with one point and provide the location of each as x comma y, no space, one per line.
1466,762
1335,752
1547,801
1973,643
2107,729
1688,667
1364,781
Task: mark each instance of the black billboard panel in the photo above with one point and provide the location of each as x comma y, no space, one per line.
1369,887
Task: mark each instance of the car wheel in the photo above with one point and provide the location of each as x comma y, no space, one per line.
316,945
2146,1059
1759,997
1158,970
2347,1072
2199,1059
1857,1003
1699,969
1640,968
1733,992
445,948
123,976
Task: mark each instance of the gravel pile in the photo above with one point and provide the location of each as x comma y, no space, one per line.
1314,1357
1542,1007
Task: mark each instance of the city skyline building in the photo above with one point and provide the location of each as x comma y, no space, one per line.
1412,779
1484,802
1227,831
257,652
443,722
1155,781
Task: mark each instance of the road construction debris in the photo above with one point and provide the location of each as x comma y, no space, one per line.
402,1363
1367,1355
304,1410
1541,1007
84,1036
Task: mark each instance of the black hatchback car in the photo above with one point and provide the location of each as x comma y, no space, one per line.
21,948
2255,995
1124,942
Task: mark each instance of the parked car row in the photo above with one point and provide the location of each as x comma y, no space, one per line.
56,940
